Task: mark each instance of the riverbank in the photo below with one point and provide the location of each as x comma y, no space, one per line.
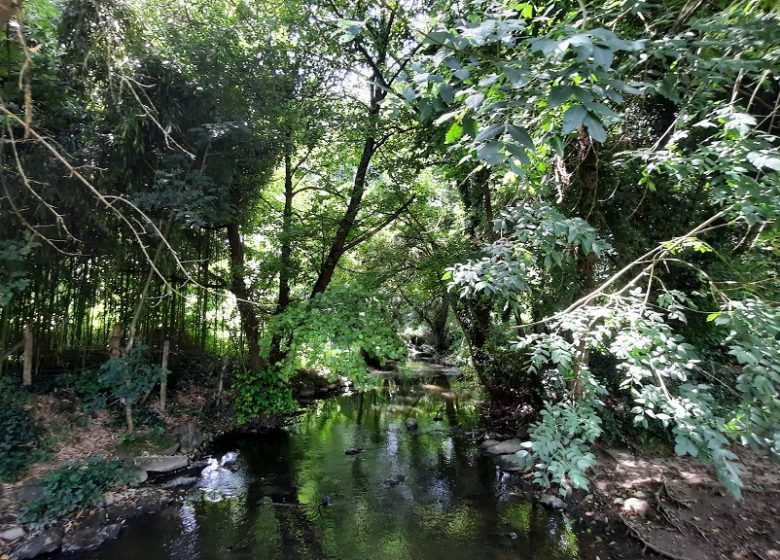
660,504
673,507
163,462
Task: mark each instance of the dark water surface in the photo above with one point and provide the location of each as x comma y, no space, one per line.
259,498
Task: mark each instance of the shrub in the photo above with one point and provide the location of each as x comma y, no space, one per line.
262,393
19,436
73,487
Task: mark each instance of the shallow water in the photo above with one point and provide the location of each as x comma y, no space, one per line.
260,497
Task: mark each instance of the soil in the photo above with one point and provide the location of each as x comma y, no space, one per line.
676,508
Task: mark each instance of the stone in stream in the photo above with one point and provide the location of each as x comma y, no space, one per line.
161,464
395,480
505,447
487,444
42,543
353,451
89,538
411,424
515,462
552,502
12,534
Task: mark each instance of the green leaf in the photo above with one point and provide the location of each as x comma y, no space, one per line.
559,95
488,133
447,93
491,153
573,118
521,136
454,132
595,129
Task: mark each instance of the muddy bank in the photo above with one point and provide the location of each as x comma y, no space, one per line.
672,507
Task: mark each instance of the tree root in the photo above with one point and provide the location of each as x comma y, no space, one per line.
648,546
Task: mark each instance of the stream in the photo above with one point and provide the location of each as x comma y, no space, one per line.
261,495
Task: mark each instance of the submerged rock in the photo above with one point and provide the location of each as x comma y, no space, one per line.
42,543
411,424
353,451
395,480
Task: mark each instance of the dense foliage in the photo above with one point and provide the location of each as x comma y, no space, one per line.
579,200
73,487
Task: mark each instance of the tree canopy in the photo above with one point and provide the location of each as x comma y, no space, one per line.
577,201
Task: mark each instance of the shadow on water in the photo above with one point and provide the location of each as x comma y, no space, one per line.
261,496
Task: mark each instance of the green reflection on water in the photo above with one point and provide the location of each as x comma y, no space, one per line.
451,504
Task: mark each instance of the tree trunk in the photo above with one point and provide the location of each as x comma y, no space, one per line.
285,258
129,418
439,324
164,375
246,311
370,146
28,355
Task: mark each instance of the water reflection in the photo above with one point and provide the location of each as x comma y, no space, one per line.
262,497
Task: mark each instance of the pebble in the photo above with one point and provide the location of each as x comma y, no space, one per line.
12,534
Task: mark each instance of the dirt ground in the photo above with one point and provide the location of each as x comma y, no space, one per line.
676,508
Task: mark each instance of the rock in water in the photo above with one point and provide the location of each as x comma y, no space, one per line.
552,502
505,447
515,462
353,451
395,480
180,482
411,424
487,444
42,543
89,538
161,464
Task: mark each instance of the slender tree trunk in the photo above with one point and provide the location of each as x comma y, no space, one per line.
285,265
164,375
358,190
439,324
129,418
246,311
28,355
285,270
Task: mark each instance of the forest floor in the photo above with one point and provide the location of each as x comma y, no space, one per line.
676,508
